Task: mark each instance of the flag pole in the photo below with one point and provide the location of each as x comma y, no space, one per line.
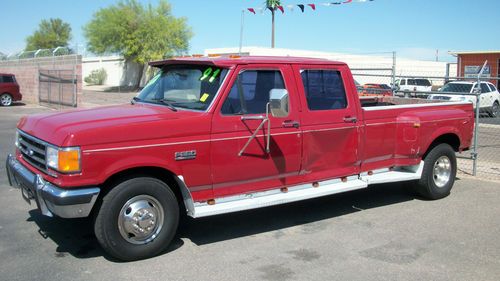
241,30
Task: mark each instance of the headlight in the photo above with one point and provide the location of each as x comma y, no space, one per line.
66,160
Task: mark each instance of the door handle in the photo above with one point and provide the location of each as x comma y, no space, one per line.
291,124
349,119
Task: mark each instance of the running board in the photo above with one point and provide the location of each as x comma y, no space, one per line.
255,200
276,197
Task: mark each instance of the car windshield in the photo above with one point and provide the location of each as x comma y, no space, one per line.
457,88
189,86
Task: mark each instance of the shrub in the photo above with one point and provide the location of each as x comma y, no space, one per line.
96,77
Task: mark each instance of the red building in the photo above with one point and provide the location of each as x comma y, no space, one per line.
470,62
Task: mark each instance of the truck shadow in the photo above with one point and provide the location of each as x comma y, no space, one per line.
76,238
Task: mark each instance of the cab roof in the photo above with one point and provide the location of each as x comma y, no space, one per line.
230,61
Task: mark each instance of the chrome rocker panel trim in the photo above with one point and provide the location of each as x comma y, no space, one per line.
50,199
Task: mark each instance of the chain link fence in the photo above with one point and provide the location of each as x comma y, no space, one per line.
444,81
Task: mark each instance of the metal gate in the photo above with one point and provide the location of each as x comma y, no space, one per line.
57,88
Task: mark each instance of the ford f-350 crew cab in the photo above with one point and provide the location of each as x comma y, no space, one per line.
216,135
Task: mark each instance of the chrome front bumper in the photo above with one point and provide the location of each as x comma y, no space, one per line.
50,199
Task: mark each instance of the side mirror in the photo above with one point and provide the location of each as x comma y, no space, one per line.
278,102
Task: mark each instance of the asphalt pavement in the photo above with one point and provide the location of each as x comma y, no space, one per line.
380,233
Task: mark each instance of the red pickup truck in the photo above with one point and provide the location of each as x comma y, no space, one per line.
215,135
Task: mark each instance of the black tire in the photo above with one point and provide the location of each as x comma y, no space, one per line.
110,231
495,110
5,99
433,187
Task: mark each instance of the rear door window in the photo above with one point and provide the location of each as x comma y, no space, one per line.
423,82
324,89
412,82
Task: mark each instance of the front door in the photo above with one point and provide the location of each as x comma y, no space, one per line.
240,163
329,122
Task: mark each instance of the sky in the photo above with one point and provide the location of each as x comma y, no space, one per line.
412,28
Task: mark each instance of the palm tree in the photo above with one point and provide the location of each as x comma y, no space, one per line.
271,5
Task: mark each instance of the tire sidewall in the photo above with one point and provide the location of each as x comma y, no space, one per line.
110,211
433,191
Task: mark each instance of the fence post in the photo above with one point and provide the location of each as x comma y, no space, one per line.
476,125
393,69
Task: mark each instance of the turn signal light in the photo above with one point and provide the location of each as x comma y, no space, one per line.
69,161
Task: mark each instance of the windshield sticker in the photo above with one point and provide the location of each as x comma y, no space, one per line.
204,97
209,72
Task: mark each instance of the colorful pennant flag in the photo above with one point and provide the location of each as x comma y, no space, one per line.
302,6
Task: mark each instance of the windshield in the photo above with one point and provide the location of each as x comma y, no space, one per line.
187,86
457,88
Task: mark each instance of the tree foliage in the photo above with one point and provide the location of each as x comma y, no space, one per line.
139,33
51,33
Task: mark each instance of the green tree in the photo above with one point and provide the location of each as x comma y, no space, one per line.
139,33
51,33
272,6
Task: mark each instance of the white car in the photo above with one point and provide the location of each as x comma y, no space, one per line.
489,99
410,87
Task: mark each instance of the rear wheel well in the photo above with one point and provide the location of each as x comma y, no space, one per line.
452,139
164,175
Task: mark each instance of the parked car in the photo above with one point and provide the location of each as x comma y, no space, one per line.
9,89
412,87
372,89
489,99
220,135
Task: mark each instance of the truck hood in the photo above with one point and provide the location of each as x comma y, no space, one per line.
110,124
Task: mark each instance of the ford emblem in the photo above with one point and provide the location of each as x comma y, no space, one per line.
31,152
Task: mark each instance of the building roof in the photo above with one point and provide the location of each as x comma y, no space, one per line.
227,61
454,53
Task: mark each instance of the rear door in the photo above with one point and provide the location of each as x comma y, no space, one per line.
240,162
329,121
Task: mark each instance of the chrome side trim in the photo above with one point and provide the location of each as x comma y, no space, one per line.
406,173
275,197
304,191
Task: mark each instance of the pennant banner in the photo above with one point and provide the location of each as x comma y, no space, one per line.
302,7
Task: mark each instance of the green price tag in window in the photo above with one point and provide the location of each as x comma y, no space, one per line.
209,72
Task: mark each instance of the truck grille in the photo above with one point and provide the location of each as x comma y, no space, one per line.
32,150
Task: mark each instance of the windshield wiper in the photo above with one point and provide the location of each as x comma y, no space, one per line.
167,103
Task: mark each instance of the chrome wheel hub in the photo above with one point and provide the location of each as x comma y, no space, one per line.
141,219
5,100
442,171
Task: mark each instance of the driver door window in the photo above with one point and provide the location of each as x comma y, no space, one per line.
250,92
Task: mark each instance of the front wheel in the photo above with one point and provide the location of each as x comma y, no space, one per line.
495,110
138,219
438,175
